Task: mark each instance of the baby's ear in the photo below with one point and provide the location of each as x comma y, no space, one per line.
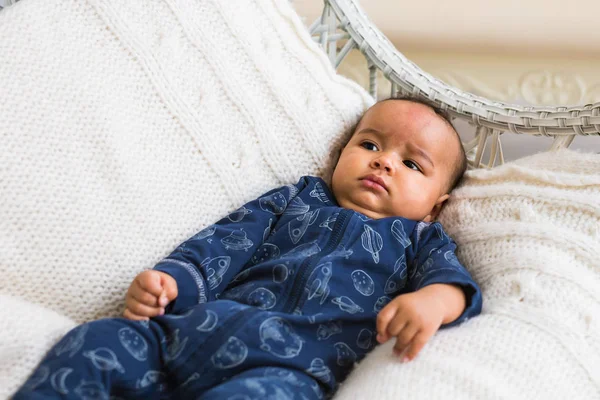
435,211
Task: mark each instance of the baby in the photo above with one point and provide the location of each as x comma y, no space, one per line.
279,299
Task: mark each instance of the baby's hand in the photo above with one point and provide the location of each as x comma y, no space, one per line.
149,294
413,318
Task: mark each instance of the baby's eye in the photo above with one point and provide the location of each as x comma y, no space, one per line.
412,165
369,146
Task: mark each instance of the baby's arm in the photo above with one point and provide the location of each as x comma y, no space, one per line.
413,318
442,293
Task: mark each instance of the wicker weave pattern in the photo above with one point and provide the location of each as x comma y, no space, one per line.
492,118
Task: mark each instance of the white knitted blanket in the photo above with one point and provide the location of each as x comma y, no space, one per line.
125,127
529,232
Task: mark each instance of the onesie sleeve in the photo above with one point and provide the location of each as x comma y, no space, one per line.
435,261
204,264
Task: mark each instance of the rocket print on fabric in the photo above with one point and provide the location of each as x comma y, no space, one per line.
398,232
399,276
319,193
279,338
372,242
317,284
303,251
297,207
347,305
329,222
231,354
274,203
297,227
215,269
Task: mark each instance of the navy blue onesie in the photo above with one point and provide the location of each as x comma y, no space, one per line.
277,300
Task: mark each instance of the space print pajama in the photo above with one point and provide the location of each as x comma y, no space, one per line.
277,300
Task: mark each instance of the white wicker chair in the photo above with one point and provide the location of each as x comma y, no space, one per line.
344,26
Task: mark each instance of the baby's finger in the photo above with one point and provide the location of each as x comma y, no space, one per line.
404,338
141,296
383,319
150,281
145,311
129,315
417,344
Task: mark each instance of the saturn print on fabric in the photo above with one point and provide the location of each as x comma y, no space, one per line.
372,242
73,342
104,359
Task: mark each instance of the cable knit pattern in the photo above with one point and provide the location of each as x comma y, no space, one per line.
127,126
529,232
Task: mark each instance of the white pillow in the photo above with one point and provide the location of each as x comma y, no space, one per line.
127,126
529,233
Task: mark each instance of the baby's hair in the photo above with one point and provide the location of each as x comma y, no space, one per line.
461,165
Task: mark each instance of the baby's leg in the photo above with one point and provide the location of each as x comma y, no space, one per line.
266,383
100,358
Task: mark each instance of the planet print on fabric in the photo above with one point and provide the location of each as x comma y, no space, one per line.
380,303
204,233
399,234
215,269
279,339
397,279
209,323
345,356
274,203
319,370
363,283
104,359
451,258
134,343
231,354
317,284
91,391
58,380
346,304
365,339
280,273
267,251
237,240
239,214
174,345
262,298
73,342
372,242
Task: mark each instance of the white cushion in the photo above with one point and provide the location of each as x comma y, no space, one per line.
126,126
529,232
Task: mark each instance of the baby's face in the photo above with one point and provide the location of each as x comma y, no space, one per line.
399,162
